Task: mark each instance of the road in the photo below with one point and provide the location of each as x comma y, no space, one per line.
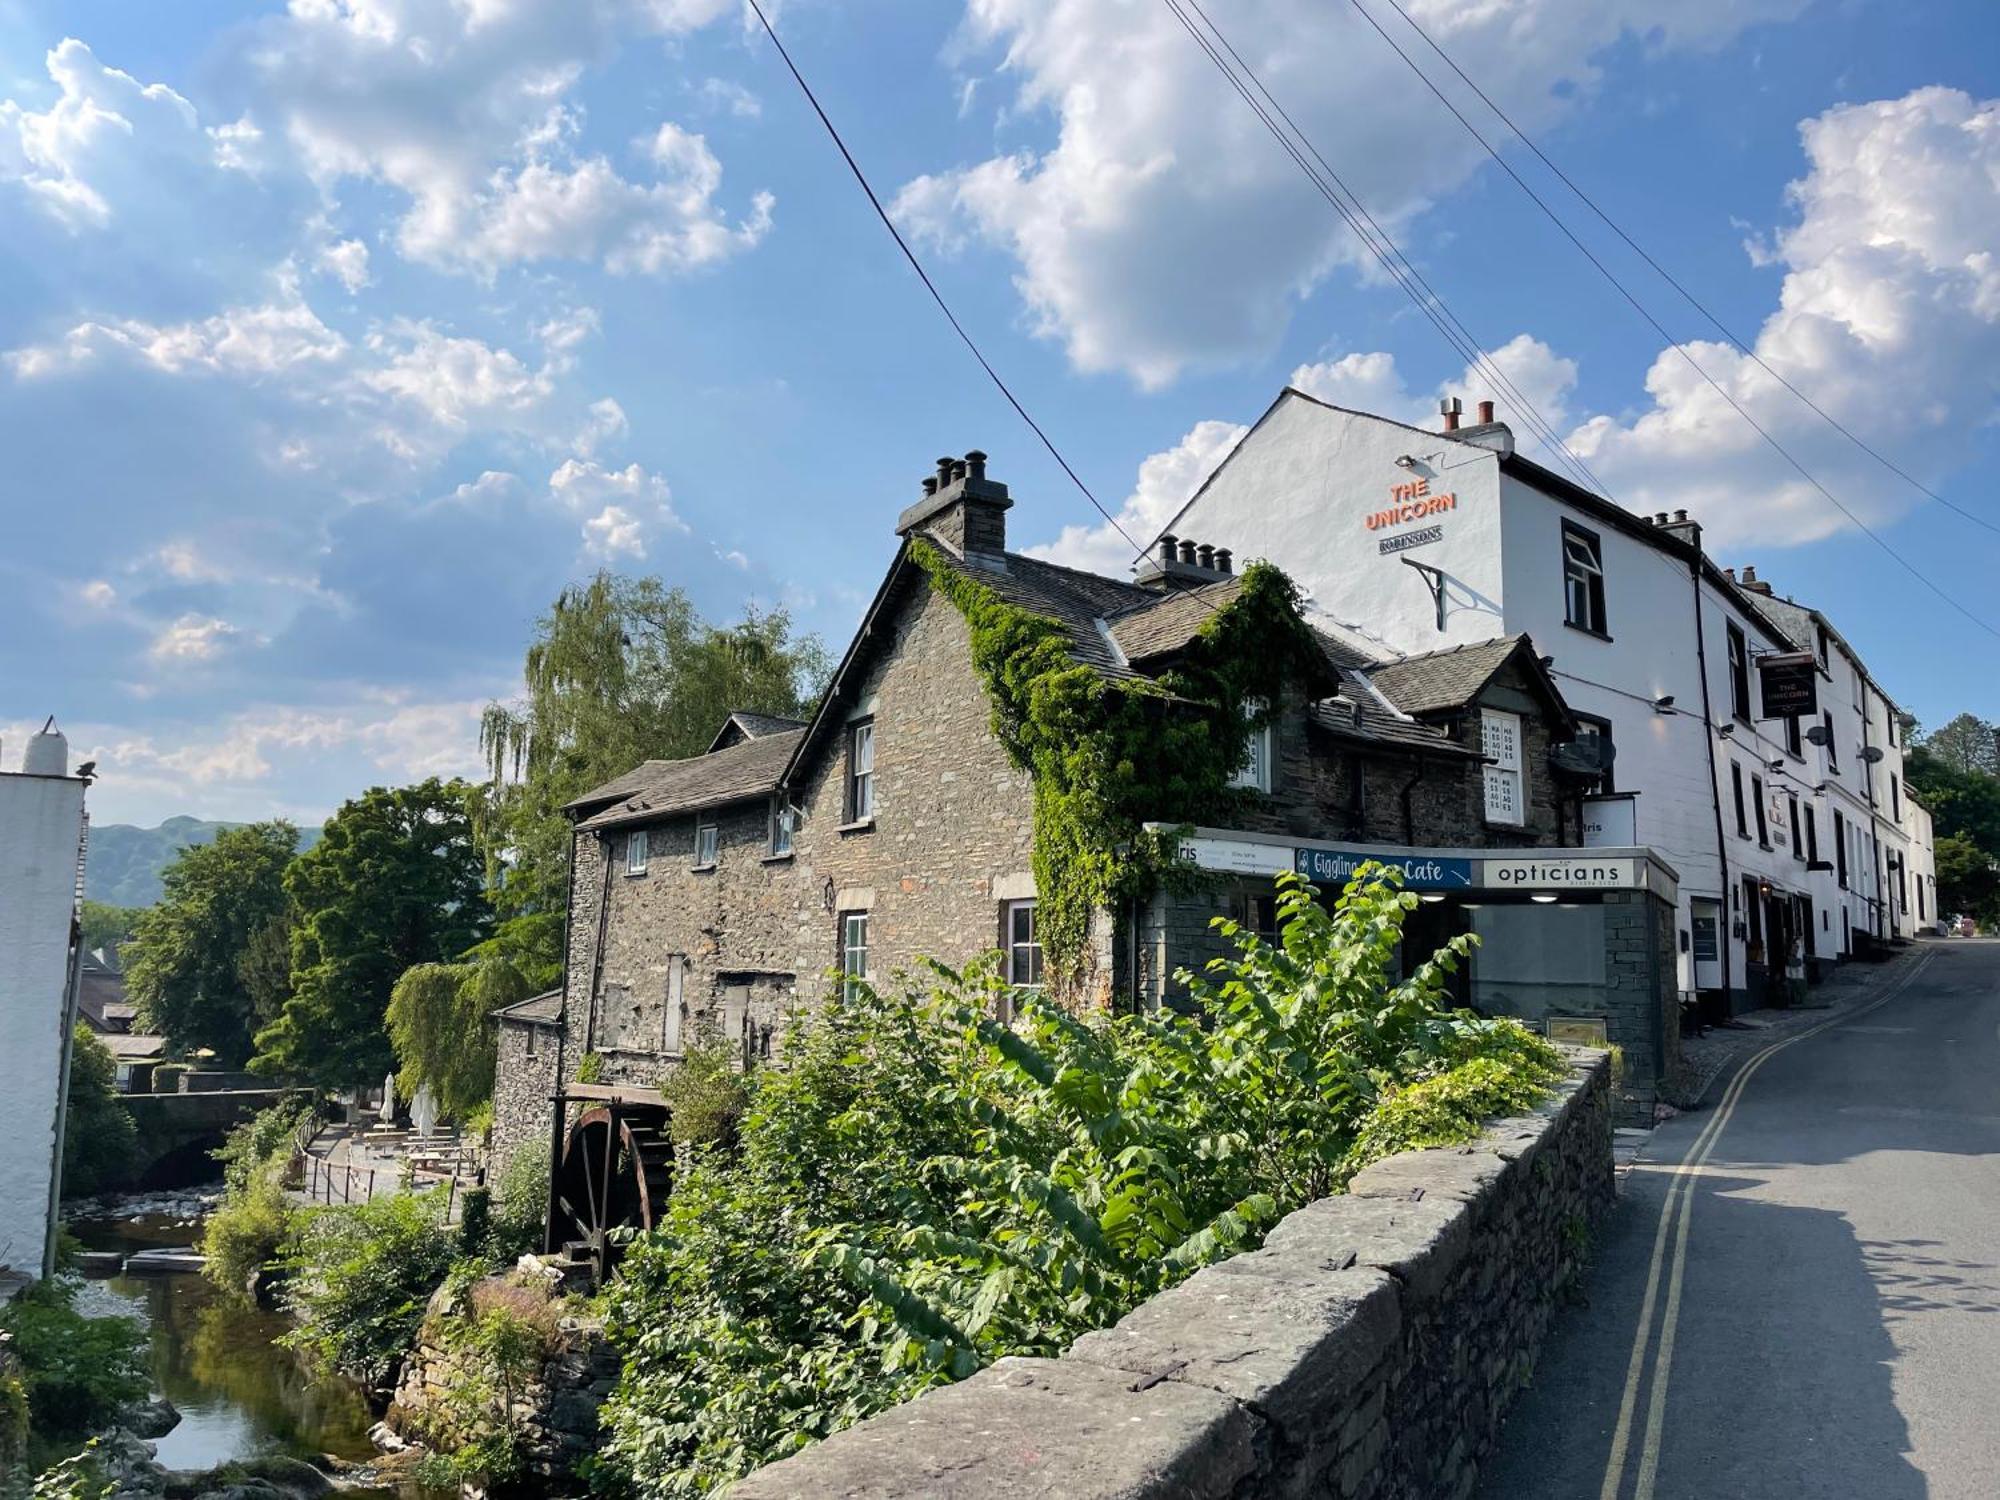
1799,1294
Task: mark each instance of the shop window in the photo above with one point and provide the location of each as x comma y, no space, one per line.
1255,774
1590,729
1736,790
1537,960
853,949
861,771
1753,908
1500,738
1256,912
1583,579
1024,944
1739,674
635,852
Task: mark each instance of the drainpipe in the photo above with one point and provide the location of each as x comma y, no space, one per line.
1409,818
70,993
1723,936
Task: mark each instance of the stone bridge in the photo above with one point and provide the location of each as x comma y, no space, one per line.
178,1132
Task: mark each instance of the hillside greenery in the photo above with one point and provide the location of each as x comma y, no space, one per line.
127,862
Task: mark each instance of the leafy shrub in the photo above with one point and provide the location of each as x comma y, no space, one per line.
590,1068
362,1274
99,1140
497,1336
249,1229
521,1214
921,1190
706,1091
77,1372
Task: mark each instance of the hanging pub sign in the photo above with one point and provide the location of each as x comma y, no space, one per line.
1790,685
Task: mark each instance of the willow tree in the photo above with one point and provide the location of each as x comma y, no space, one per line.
620,671
440,1021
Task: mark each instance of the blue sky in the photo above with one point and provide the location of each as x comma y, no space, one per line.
335,338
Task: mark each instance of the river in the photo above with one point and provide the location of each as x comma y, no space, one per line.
240,1393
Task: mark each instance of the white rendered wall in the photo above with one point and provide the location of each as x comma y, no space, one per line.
41,825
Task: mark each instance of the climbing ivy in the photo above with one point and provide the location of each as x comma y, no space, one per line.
1109,756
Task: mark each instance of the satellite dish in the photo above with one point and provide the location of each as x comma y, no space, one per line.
1817,734
1871,754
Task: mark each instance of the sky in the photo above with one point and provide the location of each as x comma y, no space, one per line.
336,337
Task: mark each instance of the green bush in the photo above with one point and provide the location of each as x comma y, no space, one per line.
249,1229
496,1339
921,1190
361,1274
76,1372
706,1091
521,1213
99,1140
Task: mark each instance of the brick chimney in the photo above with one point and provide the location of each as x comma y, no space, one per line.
1750,581
962,506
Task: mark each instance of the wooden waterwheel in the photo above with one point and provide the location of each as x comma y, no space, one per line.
616,1168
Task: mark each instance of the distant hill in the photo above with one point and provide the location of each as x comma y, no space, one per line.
125,862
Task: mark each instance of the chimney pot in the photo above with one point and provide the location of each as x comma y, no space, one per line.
1167,552
1205,555
944,470
1485,412
975,461
1680,518
1749,573
1222,559
1187,552
1450,407
930,484
957,469
1730,574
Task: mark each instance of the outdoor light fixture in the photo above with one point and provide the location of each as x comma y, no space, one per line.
1543,898
1664,704
1775,763
1726,730
1433,896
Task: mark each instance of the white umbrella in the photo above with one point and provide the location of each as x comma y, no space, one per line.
423,1112
388,1098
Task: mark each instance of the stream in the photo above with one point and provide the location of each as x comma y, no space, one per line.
240,1393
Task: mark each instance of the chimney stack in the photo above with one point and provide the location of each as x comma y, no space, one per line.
961,506
1204,556
1187,552
1182,562
1450,408
1485,413
1168,556
1222,559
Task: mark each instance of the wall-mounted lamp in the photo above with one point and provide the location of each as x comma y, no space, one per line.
1543,898
1664,704
1404,461
1725,730
1775,763
1433,897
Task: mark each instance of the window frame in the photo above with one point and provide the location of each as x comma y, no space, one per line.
1739,671
638,839
1585,571
1736,789
851,975
707,831
1012,946
1839,849
1795,738
1831,746
1601,728
1798,833
860,788
1511,772
1812,834
1895,797
781,818
1255,773
1763,815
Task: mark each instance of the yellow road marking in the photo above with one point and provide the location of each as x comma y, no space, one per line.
1679,1203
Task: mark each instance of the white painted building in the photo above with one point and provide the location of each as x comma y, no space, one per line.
41,843
1419,540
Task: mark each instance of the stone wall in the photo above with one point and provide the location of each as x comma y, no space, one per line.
1370,1349
524,1080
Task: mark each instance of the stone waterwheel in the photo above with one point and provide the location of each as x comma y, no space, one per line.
615,1172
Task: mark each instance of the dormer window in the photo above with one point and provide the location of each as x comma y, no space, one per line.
1255,774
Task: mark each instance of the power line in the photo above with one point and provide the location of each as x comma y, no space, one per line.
1347,203
931,287
1779,448
1748,350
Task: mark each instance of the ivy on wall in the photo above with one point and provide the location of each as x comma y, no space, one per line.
1108,757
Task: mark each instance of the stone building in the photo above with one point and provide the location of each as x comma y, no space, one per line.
726,890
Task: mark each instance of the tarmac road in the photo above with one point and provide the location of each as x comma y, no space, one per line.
1799,1293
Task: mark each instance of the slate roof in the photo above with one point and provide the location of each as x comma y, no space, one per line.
745,725
1439,680
1166,624
131,1046
543,1008
1377,726
1075,600
662,788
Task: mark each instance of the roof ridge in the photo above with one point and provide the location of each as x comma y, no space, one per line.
1494,640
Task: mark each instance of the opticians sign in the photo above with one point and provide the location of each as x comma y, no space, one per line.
1581,873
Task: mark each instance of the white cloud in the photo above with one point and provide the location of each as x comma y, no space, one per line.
193,638
1526,367
614,532
1166,480
1889,318
722,95
346,261
1164,229
183,561
239,146
605,422
62,157
281,335
623,507
98,594
454,380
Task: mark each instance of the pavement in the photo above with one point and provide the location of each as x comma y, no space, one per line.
1798,1294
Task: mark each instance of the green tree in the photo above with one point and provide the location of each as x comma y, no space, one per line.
182,964
1968,880
1968,743
99,1141
440,1020
394,881
106,926
264,968
620,671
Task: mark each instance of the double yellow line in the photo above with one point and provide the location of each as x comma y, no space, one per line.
1675,1215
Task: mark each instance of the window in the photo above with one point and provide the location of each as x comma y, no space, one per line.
854,948
673,1014
1739,674
1889,718
1798,834
635,852
784,818
1583,580
1819,643
1920,899
1256,912
1860,694
1895,798
707,844
1795,744
534,1038
1256,772
1024,944
1832,751
1736,787
861,771
1757,799
1500,738
1812,834
1588,730
1840,849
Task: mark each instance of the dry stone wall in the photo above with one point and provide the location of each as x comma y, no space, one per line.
1370,1350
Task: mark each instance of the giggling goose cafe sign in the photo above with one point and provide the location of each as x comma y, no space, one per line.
1409,501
